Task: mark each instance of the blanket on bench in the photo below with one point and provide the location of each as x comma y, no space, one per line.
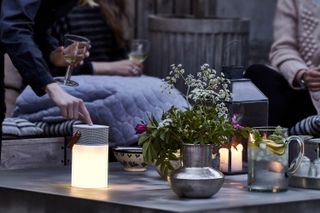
119,102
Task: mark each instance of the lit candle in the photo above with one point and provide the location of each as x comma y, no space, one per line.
224,159
236,158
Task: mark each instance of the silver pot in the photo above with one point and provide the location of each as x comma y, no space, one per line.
196,178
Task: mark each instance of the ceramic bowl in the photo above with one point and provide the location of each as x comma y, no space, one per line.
306,137
131,158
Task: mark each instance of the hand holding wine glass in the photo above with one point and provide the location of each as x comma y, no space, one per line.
139,50
75,49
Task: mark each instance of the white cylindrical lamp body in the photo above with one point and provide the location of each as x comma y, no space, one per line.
90,157
89,166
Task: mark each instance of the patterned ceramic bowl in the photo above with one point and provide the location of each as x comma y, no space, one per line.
131,158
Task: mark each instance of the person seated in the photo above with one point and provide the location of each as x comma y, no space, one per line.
292,83
103,24
24,37
114,99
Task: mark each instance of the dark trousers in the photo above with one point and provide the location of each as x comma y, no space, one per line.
287,106
3,105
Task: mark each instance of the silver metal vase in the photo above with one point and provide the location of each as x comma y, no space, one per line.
196,178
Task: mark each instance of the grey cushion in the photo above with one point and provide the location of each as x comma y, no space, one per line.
19,127
307,126
57,128
115,101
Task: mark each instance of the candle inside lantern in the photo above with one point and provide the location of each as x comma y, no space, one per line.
224,159
236,159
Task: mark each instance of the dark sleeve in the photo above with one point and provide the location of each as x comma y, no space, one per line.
48,44
16,35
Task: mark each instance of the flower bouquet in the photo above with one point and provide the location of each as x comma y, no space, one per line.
205,120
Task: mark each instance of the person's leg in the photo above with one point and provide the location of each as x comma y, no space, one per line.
286,105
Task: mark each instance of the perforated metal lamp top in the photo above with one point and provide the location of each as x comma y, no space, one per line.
92,135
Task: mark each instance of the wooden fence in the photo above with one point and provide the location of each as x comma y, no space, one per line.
141,9
192,47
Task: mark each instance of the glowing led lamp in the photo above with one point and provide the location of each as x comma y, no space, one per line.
89,166
90,156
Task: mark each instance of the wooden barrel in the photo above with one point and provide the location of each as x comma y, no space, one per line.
193,42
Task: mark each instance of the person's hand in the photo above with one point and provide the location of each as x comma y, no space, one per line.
81,49
70,106
123,68
312,79
57,56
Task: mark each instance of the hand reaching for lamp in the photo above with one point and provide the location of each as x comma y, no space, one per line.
70,106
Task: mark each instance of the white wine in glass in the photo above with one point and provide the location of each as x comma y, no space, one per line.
139,50
75,48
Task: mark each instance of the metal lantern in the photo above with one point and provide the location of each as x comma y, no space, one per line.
250,106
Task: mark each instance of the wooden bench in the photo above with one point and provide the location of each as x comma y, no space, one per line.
34,153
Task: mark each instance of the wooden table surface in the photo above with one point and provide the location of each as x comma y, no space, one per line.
49,190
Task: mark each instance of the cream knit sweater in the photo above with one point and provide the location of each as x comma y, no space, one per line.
297,39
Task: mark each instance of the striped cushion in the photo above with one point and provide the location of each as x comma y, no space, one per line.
19,127
308,126
57,129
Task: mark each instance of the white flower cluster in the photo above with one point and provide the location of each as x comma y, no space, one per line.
165,122
206,88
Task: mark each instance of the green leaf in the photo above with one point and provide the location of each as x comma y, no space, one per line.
142,139
162,135
149,152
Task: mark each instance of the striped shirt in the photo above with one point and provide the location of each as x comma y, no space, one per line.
88,22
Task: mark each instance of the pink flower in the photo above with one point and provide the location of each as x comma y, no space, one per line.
235,123
140,128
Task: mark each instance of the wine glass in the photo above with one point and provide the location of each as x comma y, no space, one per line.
75,48
139,49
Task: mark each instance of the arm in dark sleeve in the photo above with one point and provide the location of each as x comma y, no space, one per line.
16,35
47,44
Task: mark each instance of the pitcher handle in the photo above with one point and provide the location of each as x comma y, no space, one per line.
297,161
